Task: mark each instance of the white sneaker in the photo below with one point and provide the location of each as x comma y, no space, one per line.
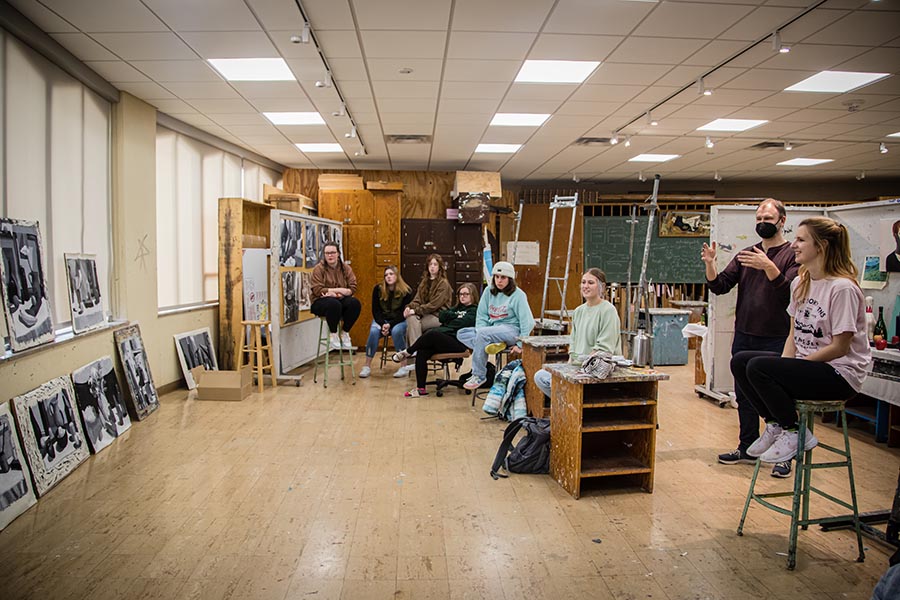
785,447
765,441
345,341
402,372
334,342
365,372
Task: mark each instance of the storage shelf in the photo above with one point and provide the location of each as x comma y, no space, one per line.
606,466
600,424
619,402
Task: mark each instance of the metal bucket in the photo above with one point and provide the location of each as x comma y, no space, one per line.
641,349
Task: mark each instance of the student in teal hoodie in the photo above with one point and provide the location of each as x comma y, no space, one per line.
595,326
503,316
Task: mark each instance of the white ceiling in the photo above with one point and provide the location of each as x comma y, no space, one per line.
464,55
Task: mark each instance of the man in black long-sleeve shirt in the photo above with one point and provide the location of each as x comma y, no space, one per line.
763,274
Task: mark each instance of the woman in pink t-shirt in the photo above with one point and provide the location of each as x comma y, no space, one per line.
826,355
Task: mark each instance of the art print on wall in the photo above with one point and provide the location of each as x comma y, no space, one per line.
311,238
675,223
889,230
24,285
142,399
290,297
16,493
52,438
100,403
195,348
305,293
336,237
84,292
324,235
291,243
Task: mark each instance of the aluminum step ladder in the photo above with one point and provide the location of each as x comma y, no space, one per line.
562,282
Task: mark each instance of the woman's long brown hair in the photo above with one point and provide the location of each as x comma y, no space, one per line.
832,239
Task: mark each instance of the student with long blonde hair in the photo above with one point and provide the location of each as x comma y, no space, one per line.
389,298
433,295
826,355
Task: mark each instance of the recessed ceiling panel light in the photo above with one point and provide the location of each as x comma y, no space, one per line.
295,118
498,148
556,71
731,125
804,162
519,119
252,69
894,134
835,82
319,147
653,157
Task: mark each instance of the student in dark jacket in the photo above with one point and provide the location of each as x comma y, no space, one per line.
441,339
389,298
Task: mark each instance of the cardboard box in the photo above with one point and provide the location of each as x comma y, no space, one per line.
477,182
223,385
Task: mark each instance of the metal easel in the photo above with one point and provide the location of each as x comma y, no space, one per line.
554,324
515,251
640,342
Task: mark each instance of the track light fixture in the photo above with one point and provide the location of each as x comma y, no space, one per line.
614,138
883,148
650,120
717,177
341,112
641,177
709,142
777,46
788,145
360,152
352,133
325,83
575,178
702,90
861,176
628,141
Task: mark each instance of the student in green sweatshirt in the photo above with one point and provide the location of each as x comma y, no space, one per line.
595,325
503,316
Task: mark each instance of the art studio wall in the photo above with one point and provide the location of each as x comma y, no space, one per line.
133,288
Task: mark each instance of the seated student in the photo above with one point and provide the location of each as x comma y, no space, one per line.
441,340
595,326
433,295
333,284
503,316
389,298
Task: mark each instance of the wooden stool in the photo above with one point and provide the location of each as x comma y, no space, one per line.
324,344
253,347
385,340
802,476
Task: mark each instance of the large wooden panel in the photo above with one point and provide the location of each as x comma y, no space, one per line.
387,222
359,252
332,206
350,207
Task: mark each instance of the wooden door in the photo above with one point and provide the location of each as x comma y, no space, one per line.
332,206
387,223
360,207
359,253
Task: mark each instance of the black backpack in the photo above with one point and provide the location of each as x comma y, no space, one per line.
531,454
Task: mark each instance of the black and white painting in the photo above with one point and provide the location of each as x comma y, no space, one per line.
195,348
311,238
291,243
84,292
16,493
51,432
24,285
336,237
324,235
101,404
142,399
290,297
305,295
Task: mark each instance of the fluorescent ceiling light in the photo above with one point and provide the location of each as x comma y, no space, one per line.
653,157
498,148
835,81
295,118
556,71
252,69
731,125
319,147
894,134
519,119
804,162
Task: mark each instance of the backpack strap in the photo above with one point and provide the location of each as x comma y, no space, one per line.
511,430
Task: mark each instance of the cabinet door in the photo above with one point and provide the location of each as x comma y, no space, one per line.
360,207
425,236
386,260
332,205
359,253
469,242
387,223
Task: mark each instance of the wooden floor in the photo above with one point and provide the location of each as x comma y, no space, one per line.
356,492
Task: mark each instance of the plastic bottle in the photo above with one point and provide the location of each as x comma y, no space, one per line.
870,319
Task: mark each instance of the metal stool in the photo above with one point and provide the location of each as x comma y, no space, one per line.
342,360
385,340
255,350
807,410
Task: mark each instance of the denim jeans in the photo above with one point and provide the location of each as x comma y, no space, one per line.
542,379
398,332
478,338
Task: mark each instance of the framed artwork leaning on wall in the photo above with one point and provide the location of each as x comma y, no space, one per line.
142,399
16,493
23,281
100,403
84,292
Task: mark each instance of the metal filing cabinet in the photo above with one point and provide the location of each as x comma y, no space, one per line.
669,346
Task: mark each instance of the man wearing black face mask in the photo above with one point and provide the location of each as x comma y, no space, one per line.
763,274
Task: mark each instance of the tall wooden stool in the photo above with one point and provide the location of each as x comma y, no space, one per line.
385,340
807,410
345,357
256,351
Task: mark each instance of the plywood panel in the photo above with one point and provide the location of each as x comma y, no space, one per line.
359,252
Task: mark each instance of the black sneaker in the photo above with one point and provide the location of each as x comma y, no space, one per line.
736,456
782,469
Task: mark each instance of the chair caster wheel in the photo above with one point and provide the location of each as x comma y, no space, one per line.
468,392
440,394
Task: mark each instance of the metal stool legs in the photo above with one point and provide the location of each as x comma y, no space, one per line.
344,360
799,511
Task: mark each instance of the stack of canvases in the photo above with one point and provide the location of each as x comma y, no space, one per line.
46,433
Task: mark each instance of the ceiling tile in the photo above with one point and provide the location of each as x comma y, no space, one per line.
406,89
283,15
399,105
173,106
580,108
860,28
328,14
146,46
496,15
759,23
529,106
415,15
177,70
205,15
205,89
629,74
339,44
282,105
689,19
404,44
83,46
468,89
768,79
211,106
47,20
240,130
117,71
226,119
388,69
481,70
812,57
577,16
348,69
878,60
469,105
714,53
661,51
268,89
606,93
231,44
551,46
285,47
106,15
479,44
146,90
540,91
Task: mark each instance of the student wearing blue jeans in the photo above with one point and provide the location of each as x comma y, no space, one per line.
503,316
389,298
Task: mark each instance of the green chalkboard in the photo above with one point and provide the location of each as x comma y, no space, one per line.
672,259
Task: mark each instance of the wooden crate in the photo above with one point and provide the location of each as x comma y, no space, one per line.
477,182
385,185
339,181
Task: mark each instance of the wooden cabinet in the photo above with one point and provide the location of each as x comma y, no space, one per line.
387,223
602,427
459,245
360,255
239,220
350,207
538,350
